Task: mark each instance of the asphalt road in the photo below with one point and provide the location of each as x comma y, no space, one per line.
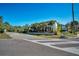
19,47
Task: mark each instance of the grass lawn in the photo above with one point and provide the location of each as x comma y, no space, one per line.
69,34
47,36
4,36
66,35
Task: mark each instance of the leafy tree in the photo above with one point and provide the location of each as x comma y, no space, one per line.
11,28
74,23
51,22
72,26
7,26
15,28
59,28
25,28
34,27
1,25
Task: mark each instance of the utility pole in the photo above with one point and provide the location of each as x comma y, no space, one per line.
73,29
73,11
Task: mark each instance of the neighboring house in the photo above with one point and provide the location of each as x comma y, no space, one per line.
77,27
64,28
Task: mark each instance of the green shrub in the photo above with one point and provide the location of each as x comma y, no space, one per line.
1,30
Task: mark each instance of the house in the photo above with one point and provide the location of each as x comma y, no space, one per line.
75,27
51,28
46,28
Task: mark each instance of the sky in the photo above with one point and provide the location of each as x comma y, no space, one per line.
28,13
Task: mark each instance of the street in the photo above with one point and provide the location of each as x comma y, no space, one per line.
17,46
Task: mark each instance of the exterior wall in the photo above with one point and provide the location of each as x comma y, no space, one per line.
55,26
52,27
